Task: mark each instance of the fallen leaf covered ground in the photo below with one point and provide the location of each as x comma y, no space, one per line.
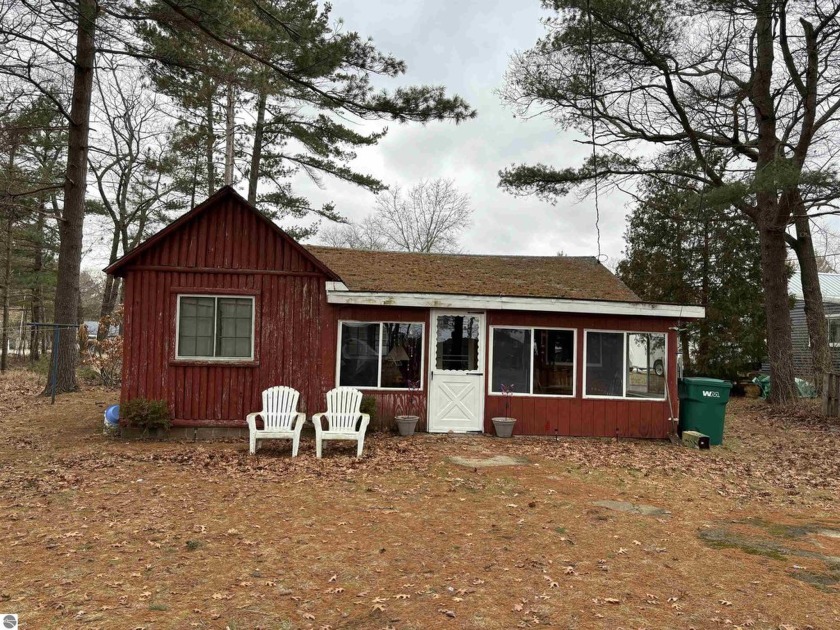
99,532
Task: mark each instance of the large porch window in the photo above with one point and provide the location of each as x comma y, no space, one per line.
533,361
625,365
380,355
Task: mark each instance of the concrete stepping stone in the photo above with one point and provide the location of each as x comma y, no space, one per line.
632,508
487,462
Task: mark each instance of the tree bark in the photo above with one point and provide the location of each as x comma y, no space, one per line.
7,279
256,153
771,216
703,341
774,275
209,147
230,136
685,339
37,292
109,292
72,219
803,247
7,257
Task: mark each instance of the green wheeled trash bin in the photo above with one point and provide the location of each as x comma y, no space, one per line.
703,406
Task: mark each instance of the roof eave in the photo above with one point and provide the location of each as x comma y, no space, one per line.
511,303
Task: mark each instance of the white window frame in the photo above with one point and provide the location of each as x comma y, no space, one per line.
624,380
216,297
828,319
530,392
379,387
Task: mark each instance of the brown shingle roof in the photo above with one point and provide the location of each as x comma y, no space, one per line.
582,278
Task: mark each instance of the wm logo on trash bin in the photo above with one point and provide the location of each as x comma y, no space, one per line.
710,393
10,622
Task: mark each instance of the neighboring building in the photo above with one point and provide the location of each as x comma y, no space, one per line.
222,303
830,287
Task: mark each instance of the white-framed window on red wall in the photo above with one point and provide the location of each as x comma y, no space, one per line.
533,361
627,365
380,355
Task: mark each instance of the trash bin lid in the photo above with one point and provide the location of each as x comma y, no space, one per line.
704,381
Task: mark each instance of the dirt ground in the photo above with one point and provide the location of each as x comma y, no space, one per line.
104,533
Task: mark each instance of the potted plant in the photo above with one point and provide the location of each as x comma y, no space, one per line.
407,424
504,425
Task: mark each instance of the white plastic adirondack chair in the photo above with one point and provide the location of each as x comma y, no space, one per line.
342,415
281,419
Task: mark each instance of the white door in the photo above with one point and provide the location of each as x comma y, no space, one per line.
456,375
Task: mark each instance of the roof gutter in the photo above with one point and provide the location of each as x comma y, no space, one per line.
340,295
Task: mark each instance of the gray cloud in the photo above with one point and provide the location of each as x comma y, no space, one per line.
466,46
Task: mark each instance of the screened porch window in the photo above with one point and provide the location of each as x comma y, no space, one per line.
625,365
386,355
213,327
533,361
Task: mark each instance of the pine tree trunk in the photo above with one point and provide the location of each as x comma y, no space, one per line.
703,343
37,291
256,153
209,148
803,246
686,351
7,279
230,127
73,215
777,311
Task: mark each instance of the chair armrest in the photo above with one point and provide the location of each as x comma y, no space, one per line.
251,419
299,422
365,422
316,420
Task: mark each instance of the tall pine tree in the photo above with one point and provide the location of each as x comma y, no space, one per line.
682,247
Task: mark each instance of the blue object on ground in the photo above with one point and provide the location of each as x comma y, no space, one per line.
112,414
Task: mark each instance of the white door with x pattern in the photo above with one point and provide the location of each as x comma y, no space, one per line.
456,378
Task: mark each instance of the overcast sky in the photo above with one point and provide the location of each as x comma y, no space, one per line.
465,45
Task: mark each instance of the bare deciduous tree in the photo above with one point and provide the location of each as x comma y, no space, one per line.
429,217
362,235
129,162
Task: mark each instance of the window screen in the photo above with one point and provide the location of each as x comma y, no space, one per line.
554,362
359,352
604,364
402,355
511,359
645,365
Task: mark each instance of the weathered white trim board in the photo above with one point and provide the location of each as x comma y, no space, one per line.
502,303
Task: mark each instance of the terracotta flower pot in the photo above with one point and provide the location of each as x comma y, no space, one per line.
504,426
407,424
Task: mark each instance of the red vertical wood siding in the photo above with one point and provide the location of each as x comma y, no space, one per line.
229,250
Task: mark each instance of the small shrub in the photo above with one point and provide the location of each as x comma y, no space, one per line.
104,356
368,406
148,415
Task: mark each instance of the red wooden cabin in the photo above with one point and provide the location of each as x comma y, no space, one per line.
222,304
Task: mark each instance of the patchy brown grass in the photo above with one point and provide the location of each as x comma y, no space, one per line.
102,533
